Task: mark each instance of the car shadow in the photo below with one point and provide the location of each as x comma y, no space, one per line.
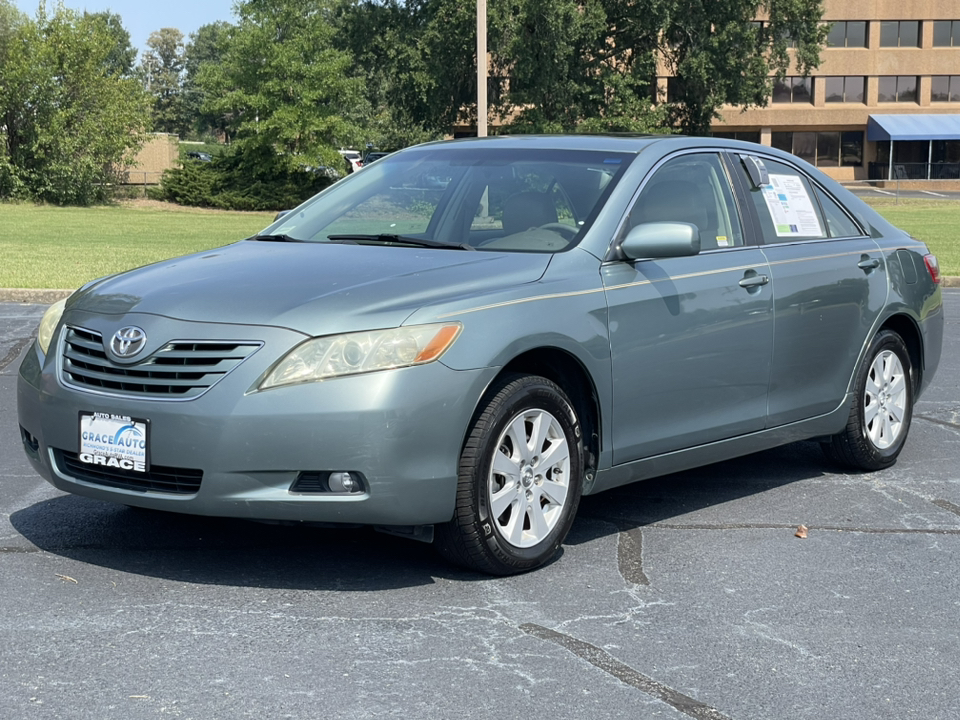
224,551
681,494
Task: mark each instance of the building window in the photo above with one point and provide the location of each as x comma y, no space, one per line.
946,151
946,88
748,135
897,88
946,33
793,90
900,33
848,34
823,149
845,89
674,89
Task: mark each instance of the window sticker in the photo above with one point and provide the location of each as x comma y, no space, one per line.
791,207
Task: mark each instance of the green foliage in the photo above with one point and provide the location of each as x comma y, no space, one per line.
578,65
720,56
68,119
206,47
122,55
281,86
162,72
256,179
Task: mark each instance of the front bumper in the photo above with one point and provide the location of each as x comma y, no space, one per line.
402,430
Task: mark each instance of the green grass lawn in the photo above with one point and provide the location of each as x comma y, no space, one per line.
53,247
935,222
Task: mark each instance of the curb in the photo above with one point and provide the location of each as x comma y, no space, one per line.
40,297
48,297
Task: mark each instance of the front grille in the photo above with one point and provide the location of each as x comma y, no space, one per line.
161,479
180,370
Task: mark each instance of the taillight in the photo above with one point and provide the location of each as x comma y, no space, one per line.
933,267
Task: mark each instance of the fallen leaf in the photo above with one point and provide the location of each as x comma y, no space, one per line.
67,578
801,531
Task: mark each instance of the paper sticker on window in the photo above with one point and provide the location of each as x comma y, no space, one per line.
722,241
791,208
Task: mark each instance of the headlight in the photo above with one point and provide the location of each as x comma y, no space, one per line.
328,357
48,324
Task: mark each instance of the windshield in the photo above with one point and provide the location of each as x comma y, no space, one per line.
478,198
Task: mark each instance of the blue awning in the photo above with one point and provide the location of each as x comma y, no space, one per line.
913,127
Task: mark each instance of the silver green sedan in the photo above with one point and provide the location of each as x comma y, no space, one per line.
460,340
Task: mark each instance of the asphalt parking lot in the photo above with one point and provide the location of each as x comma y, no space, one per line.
687,596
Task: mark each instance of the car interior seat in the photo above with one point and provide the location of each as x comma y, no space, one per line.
527,210
677,201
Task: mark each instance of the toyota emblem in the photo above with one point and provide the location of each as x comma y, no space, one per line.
128,341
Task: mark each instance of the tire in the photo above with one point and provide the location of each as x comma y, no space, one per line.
516,503
882,409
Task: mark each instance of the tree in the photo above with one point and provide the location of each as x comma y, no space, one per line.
284,89
583,65
591,64
719,55
206,47
162,71
68,122
122,56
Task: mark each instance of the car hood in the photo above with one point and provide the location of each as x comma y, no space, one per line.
313,288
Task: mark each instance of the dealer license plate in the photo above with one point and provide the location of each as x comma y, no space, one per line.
114,441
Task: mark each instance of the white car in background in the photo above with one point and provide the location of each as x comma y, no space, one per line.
353,159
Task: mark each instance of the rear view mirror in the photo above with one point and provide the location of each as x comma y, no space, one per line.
661,240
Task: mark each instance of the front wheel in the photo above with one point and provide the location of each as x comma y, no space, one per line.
520,477
883,407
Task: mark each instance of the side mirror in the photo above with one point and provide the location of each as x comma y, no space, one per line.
661,240
280,215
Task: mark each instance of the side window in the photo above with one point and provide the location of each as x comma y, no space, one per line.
839,223
692,189
787,205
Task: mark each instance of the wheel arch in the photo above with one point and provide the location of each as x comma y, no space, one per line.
908,330
566,370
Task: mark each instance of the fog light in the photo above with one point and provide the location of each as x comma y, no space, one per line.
343,482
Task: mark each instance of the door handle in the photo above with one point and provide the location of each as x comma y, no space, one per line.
752,281
867,263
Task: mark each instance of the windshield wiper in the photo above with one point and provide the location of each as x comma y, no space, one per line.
400,240
274,238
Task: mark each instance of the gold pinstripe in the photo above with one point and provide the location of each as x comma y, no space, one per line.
638,283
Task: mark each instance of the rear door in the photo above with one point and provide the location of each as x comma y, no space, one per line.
829,283
690,337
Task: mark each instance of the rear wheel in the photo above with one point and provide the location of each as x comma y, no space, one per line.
519,480
883,407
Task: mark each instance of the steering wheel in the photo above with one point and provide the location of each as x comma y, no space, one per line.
568,231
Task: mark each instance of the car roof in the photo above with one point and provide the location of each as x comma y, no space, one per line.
612,142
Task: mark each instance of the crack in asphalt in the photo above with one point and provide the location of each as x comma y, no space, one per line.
948,506
14,352
793,526
938,421
630,557
624,673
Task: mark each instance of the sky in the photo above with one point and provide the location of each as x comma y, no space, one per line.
142,17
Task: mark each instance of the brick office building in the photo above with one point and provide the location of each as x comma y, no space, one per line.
889,79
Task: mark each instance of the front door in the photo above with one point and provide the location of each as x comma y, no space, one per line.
691,337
